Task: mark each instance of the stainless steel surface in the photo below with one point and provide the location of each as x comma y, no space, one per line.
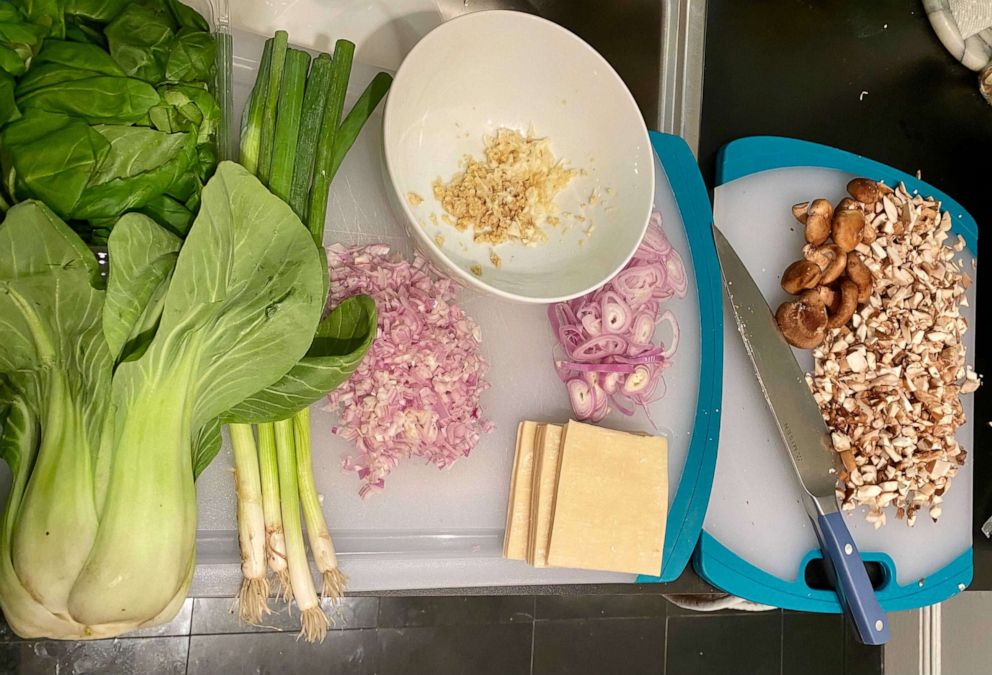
682,50
782,381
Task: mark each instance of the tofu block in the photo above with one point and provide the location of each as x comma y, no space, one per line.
611,504
517,532
543,492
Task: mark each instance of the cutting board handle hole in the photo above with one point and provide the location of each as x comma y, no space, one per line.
816,576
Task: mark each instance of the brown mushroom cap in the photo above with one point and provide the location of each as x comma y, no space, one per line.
820,212
817,229
818,207
859,273
827,295
831,259
803,321
864,190
799,276
845,304
821,207
846,204
847,228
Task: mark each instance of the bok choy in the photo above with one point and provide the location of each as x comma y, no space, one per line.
110,397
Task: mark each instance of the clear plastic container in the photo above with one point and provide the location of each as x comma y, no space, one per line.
218,15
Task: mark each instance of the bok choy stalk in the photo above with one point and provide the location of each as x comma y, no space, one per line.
305,142
110,397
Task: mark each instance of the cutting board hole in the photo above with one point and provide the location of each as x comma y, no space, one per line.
816,577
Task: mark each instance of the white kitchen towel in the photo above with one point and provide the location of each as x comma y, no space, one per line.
974,48
971,16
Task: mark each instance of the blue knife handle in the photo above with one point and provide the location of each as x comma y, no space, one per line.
853,585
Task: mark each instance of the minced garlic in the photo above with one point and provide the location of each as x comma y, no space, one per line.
506,196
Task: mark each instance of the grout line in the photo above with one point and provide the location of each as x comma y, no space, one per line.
189,635
664,665
666,613
533,633
189,646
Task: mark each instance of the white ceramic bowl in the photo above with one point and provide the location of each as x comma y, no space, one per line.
486,70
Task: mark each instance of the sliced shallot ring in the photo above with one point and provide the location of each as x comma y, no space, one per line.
616,315
580,396
599,347
668,317
598,367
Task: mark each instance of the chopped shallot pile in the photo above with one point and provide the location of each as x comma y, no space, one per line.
610,357
416,393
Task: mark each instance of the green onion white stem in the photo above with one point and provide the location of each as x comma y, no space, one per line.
253,600
313,621
275,540
321,546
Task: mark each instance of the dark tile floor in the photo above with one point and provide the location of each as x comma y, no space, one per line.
503,635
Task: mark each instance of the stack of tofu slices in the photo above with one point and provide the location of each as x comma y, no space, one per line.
586,497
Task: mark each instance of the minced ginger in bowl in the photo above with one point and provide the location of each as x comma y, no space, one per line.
517,157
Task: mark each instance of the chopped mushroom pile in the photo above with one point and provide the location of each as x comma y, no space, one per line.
880,306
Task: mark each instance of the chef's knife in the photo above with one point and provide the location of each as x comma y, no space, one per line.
807,438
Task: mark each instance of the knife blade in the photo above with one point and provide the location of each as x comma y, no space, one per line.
807,439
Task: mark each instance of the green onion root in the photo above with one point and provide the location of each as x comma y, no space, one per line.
321,546
275,540
253,599
314,622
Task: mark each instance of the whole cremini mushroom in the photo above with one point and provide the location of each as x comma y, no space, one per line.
800,275
831,259
847,228
816,216
859,273
818,221
803,321
864,190
844,305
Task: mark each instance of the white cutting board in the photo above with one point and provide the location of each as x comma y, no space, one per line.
432,528
755,508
